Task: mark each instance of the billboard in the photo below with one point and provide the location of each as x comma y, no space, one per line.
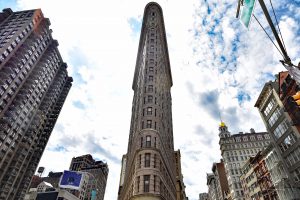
71,180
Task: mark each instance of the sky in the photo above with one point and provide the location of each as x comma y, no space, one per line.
218,66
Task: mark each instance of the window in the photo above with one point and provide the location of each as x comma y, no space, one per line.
150,69
288,141
150,88
149,123
269,107
154,183
148,141
150,78
147,160
146,183
141,142
281,128
276,114
149,111
154,160
150,99
138,183
140,161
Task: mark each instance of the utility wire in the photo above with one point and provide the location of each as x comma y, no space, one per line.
268,35
278,25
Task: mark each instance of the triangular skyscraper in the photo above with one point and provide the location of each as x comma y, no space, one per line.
148,168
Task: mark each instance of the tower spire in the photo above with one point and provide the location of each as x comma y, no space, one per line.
223,130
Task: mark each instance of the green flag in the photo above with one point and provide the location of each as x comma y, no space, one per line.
247,12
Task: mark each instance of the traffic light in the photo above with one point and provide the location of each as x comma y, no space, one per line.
296,98
293,102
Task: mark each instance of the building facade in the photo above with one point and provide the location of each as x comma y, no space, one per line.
212,186
180,187
281,118
148,168
256,178
235,150
34,84
98,173
203,196
222,188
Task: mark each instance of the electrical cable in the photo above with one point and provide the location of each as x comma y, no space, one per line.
268,35
278,25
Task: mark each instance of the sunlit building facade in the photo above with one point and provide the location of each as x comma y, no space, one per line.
281,116
34,84
235,150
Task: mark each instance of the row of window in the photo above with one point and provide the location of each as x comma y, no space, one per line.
293,157
274,117
148,142
147,160
281,128
149,124
246,145
269,107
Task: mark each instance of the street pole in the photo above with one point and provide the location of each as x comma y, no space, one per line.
265,10
293,70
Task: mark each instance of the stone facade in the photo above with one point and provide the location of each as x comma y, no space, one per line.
34,84
235,150
148,168
203,196
212,186
218,170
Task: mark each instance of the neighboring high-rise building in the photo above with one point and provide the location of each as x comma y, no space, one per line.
212,186
203,196
80,162
98,172
235,150
218,170
34,84
148,168
281,118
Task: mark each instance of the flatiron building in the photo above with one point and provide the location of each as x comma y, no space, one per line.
149,167
34,84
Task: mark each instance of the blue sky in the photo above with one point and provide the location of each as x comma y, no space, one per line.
218,69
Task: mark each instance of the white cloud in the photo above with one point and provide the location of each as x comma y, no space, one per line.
97,42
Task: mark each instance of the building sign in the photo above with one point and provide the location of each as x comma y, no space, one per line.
71,180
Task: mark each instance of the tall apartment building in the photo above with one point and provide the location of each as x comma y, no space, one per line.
98,172
222,189
34,84
235,150
148,168
281,119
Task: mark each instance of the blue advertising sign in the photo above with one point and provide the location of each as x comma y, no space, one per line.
71,180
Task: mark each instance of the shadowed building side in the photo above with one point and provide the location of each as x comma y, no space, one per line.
34,84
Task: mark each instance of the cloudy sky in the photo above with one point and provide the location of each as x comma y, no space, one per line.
218,69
